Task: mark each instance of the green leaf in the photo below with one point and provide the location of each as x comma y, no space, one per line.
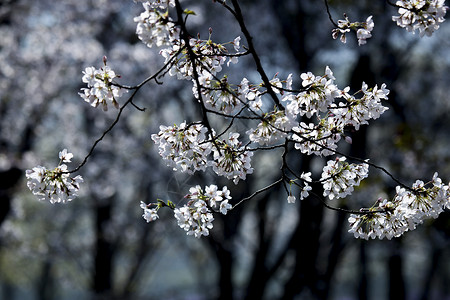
189,12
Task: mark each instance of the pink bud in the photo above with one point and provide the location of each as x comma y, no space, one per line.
348,139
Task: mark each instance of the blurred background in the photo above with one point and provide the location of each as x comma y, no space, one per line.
99,247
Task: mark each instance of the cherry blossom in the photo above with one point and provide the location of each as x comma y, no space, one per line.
274,127
150,214
339,177
218,95
184,147
408,208
155,27
196,217
312,119
231,159
424,15
55,186
291,199
319,94
101,89
65,156
363,29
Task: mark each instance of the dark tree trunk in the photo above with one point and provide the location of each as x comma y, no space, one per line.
363,286
221,244
306,246
259,274
225,277
294,27
396,281
8,179
103,253
337,246
46,285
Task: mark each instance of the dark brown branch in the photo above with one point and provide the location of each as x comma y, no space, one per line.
251,48
259,191
329,14
130,100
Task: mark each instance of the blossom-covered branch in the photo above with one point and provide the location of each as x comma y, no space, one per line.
304,114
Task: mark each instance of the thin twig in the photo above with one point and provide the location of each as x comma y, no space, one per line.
192,57
329,14
349,211
103,135
395,5
130,100
259,191
251,48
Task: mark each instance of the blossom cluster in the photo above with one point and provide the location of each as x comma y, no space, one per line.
423,15
158,4
154,26
321,138
274,127
357,111
339,177
409,208
312,118
208,57
54,185
101,89
150,214
218,95
231,159
319,93
363,30
306,178
196,216
184,147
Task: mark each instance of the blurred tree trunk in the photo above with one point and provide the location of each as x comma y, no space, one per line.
225,277
396,278
436,269
222,245
361,73
337,247
259,274
103,252
294,22
8,179
46,287
306,247
363,282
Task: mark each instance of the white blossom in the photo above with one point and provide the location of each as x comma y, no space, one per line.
217,95
364,32
291,199
209,58
339,177
101,89
184,147
320,93
356,111
274,127
363,29
231,159
423,15
409,208
65,156
54,185
150,214
196,217
225,207
155,27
